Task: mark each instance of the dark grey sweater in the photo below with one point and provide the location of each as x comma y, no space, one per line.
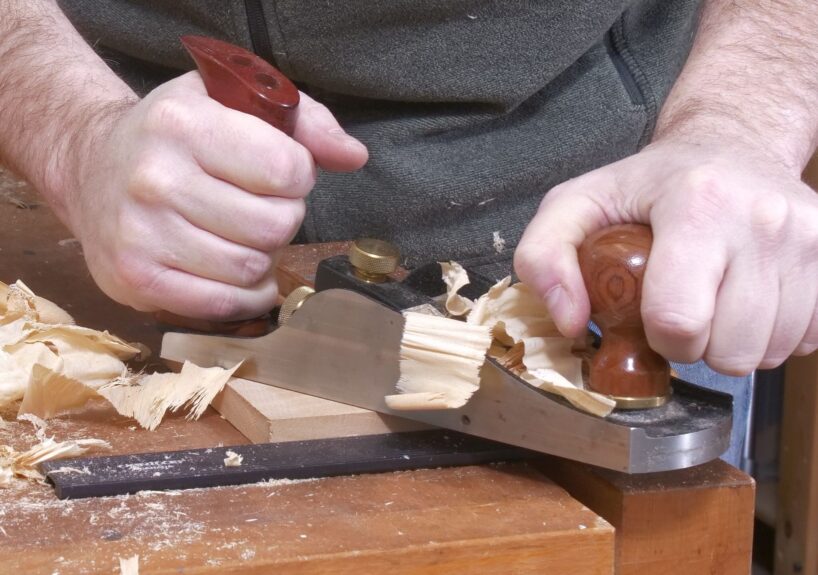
471,109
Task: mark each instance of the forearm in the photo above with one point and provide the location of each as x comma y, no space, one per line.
752,75
55,96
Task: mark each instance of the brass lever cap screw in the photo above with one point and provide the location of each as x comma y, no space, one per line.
292,303
372,260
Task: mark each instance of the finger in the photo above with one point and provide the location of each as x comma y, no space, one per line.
192,296
746,307
546,257
809,343
265,223
791,323
318,130
679,291
236,147
192,250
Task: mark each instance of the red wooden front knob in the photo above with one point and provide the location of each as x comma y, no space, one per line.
613,263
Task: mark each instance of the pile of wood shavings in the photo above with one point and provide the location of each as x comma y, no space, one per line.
525,340
54,365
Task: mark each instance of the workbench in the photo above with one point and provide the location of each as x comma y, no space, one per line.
544,516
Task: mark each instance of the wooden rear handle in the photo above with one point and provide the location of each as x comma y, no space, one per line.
613,263
240,80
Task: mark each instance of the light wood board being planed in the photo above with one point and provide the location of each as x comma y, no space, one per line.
264,413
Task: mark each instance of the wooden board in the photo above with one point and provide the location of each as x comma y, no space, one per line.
697,520
488,519
796,542
264,413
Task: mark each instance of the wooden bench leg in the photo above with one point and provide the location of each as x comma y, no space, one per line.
698,520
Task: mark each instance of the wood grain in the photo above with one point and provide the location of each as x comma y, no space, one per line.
796,542
697,520
613,262
487,519
264,413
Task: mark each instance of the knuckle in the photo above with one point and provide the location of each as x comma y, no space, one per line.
291,172
281,172
769,216
277,231
707,198
254,267
149,182
672,324
169,116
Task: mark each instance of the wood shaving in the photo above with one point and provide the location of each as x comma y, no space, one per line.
129,566
14,464
440,360
48,361
528,343
147,398
54,365
233,459
455,277
17,298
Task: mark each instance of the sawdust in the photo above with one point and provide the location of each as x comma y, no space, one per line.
157,522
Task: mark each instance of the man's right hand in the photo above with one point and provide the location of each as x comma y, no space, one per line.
183,204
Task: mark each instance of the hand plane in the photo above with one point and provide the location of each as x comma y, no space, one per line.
343,344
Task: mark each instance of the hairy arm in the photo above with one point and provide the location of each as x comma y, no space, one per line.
732,276
180,203
55,92
753,75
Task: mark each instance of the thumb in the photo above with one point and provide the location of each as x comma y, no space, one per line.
546,257
318,130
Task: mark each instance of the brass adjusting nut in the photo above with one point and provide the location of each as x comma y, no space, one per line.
293,302
373,260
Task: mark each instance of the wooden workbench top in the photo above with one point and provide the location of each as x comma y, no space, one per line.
486,519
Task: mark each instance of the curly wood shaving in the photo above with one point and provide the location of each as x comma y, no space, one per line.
455,277
584,399
50,392
46,360
528,343
147,398
440,362
18,299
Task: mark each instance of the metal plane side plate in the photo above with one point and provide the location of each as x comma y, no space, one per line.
344,347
